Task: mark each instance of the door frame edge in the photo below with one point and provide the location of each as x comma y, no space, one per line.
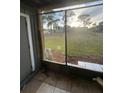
30,39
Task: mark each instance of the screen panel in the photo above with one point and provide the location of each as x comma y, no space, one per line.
85,35
54,37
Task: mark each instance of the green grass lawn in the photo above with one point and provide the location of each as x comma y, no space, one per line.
79,43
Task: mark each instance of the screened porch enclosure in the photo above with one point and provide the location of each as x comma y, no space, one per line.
61,46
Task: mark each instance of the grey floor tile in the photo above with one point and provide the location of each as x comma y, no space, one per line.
60,83
40,77
31,87
45,88
57,90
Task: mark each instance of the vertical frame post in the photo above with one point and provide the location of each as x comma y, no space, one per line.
66,37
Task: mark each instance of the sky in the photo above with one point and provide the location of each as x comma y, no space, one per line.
96,15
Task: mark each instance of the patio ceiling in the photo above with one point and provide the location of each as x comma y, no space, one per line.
45,3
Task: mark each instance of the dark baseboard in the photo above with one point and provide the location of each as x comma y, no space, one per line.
80,72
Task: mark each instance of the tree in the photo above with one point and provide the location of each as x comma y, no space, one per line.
97,28
100,26
70,13
55,24
85,19
50,20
